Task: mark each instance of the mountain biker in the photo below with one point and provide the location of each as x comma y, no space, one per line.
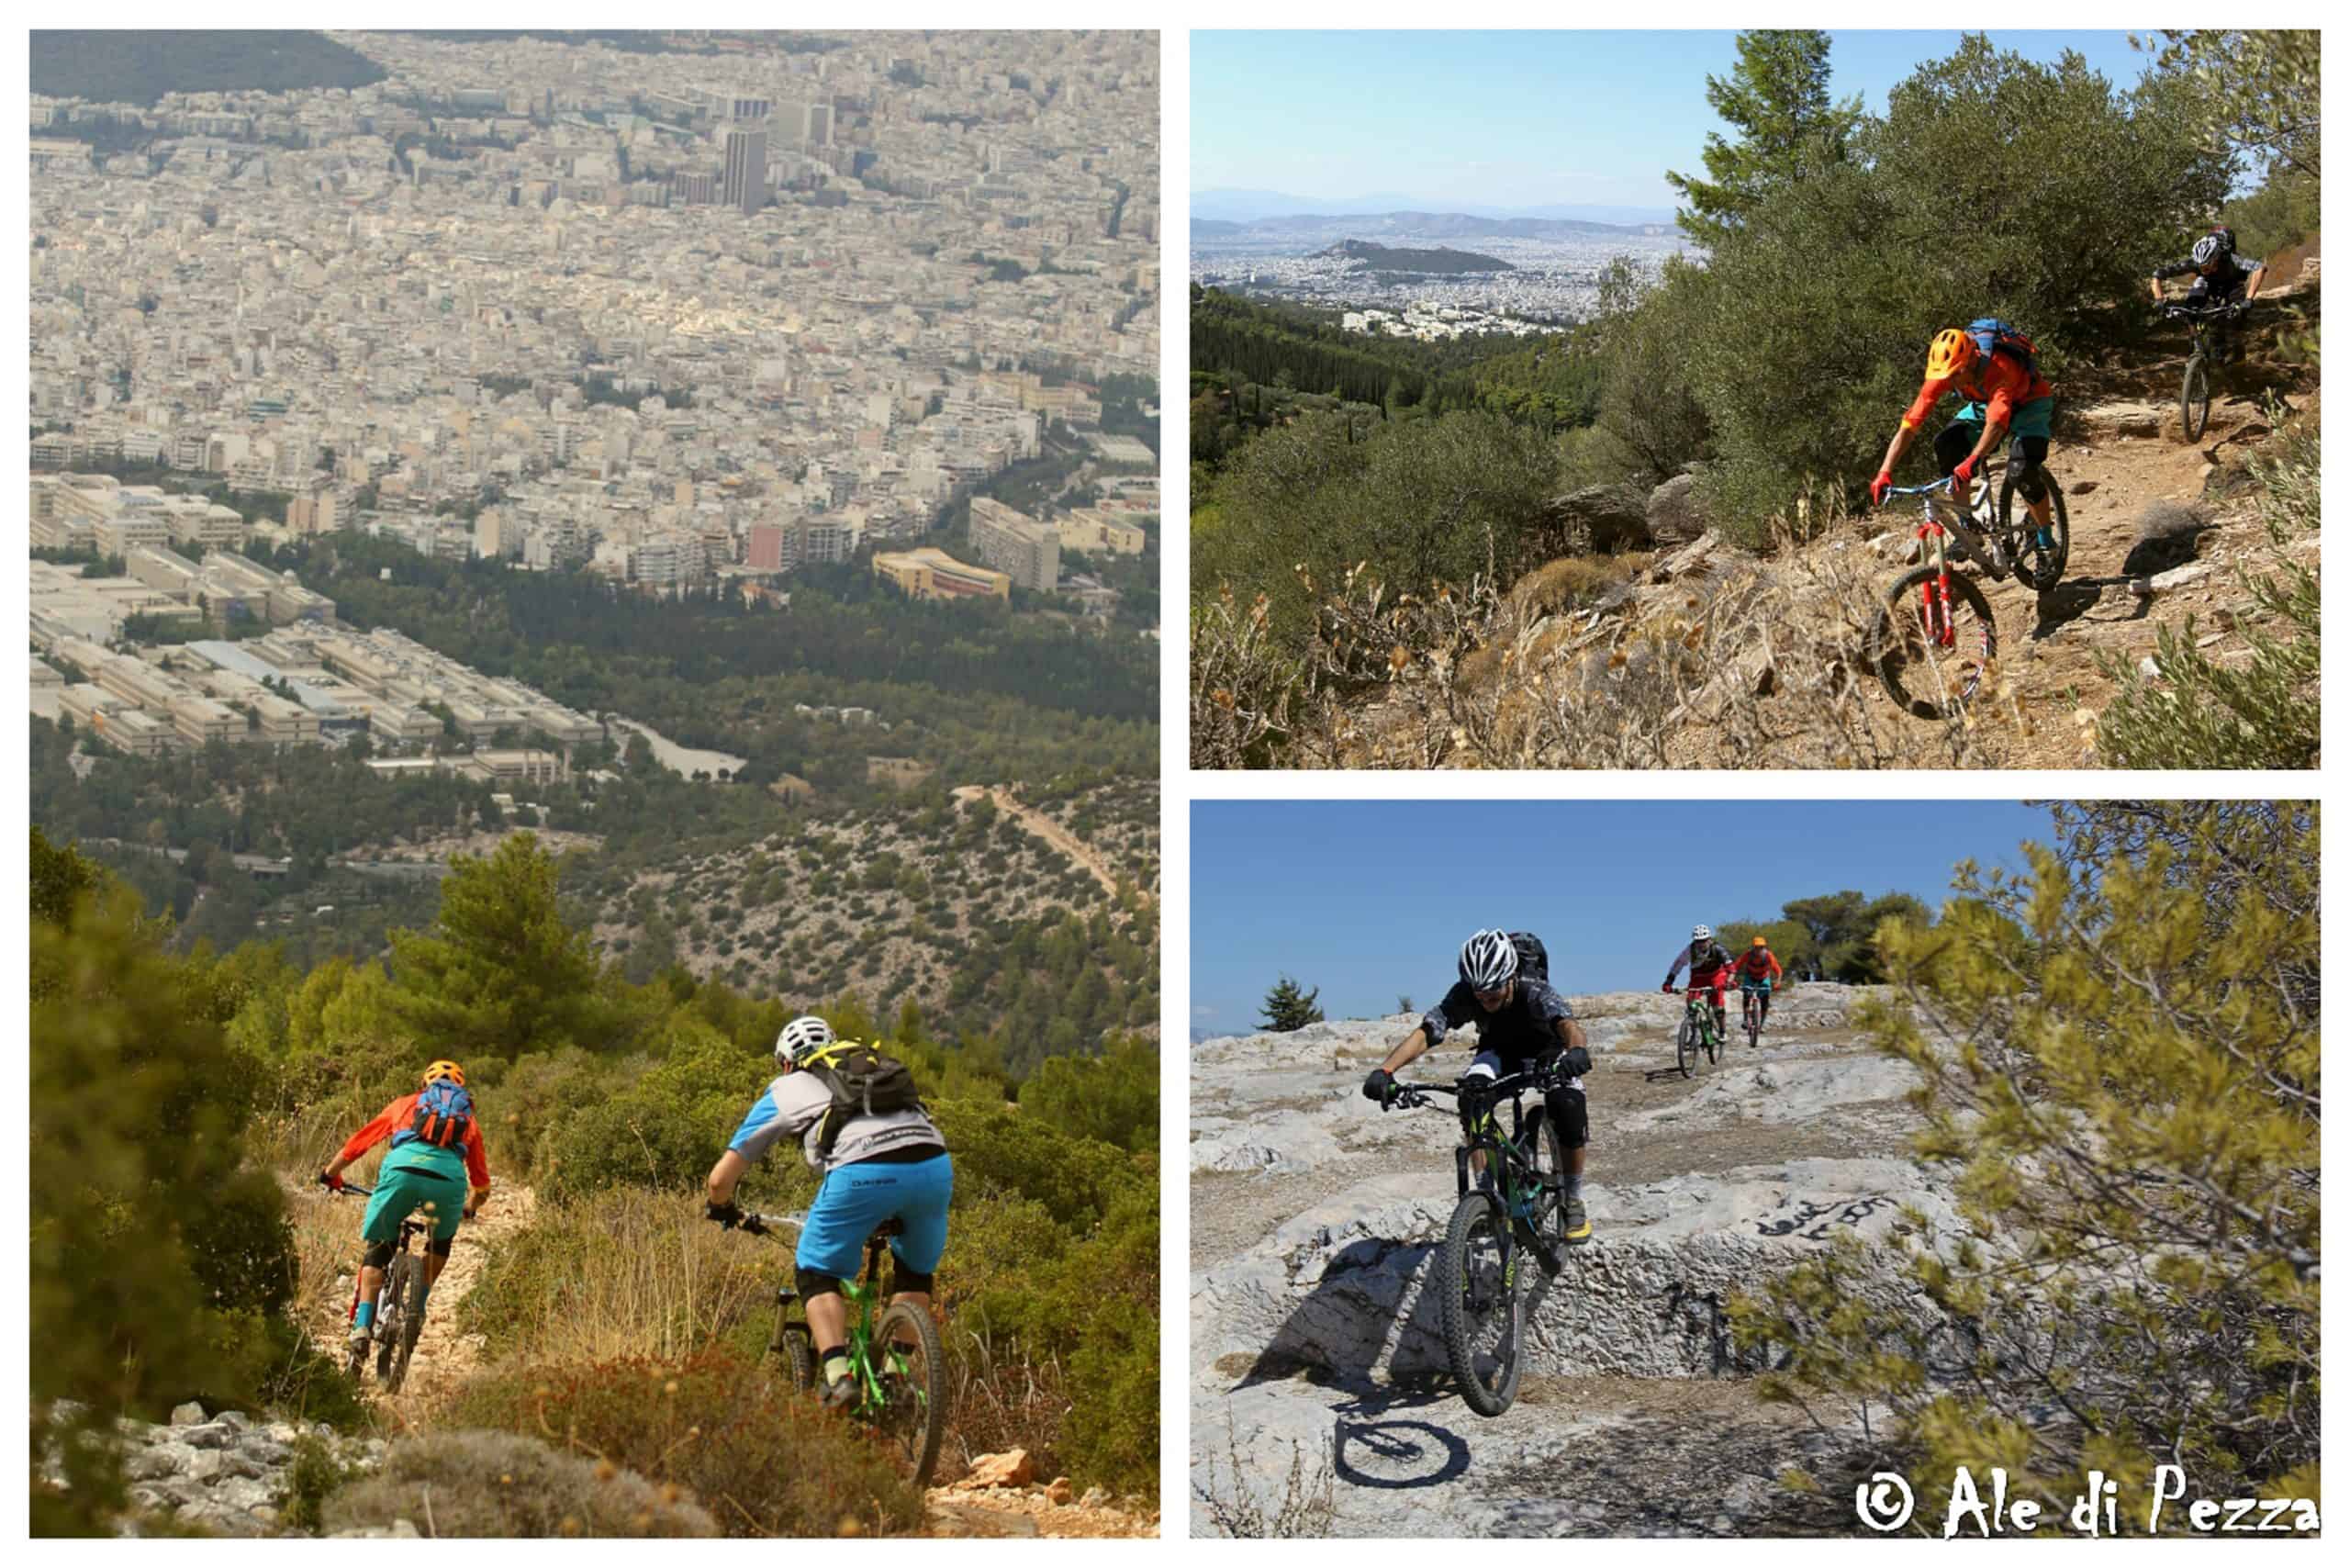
882,1165
1520,1022
2221,277
423,1169
1708,963
1999,377
1758,972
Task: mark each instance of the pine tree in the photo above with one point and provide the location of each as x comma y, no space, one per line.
499,973
1777,98
1287,1007
2120,1066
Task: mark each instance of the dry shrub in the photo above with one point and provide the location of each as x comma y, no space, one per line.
499,1485
764,1459
1002,1402
622,1272
1246,691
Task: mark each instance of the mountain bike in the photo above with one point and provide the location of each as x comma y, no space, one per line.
2195,381
1697,1032
399,1306
1518,1205
1932,658
895,1356
1754,996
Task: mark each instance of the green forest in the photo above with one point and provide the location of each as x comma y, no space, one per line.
172,1090
138,66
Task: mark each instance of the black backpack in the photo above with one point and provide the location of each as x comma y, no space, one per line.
445,1112
1532,960
864,1081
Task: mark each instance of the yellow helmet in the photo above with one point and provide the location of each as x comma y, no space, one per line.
447,1070
1953,352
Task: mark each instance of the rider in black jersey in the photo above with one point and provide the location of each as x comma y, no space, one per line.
2221,277
1521,1023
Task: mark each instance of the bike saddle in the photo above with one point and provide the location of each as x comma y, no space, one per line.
893,1225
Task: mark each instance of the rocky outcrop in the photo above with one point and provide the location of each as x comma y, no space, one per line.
1672,512
1611,517
225,1473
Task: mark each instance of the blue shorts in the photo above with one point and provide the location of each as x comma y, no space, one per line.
414,1177
856,1199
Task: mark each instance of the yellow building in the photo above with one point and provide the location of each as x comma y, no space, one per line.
931,572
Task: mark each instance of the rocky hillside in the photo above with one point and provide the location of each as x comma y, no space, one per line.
1668,645
1315,1217
889,900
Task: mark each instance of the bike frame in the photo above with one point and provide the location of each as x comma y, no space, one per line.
1941,627
409,1230
864,1297
1517,1171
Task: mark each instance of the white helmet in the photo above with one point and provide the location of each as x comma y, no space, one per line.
803,1035
1703,933
1488,960
2209,249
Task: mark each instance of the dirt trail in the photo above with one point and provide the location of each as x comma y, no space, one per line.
1043,827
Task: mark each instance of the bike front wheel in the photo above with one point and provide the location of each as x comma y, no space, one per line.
913,1380
1478,1272
1548,1153
1933,668
1685,1049
1753,1023
798,1356
2195,398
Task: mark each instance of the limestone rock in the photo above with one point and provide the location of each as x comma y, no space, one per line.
1013,1468
1058,1491
188,1415
1674,515
1613,517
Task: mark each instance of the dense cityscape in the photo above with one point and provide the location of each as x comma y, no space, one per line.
1552,280
688,320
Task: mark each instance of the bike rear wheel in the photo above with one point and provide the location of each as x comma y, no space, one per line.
2195,398
913,1369
2040,567
1478,1273
412,1324
1932,677
1686,1046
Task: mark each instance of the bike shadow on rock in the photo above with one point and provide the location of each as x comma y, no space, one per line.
2073,599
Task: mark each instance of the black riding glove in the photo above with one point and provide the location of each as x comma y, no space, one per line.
1379,1087
1573,1062
726,1215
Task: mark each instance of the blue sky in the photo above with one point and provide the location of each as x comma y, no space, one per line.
1371,899
1510,118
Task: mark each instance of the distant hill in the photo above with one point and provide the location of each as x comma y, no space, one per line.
1331,228
1440,261
140,67
1247,207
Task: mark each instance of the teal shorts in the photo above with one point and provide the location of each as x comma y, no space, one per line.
2033,419
414,1176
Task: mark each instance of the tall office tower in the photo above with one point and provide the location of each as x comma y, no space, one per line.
746,166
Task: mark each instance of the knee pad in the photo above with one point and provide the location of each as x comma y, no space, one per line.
377,1256
439,1246
1570,1115
902,1280
810,1284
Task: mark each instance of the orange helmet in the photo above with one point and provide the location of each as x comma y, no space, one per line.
1761,942
1952,351
447,1070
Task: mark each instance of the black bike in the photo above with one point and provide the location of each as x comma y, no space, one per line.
1516,1205
2195,382
399,1306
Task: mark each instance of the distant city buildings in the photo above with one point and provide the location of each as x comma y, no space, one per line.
930,573
1011,542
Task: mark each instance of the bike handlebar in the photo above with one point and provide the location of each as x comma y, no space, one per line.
2196,311
351,1187
1410,1096
1941,484
763,1224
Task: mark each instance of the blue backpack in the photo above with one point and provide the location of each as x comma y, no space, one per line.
1995,336
444,1114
